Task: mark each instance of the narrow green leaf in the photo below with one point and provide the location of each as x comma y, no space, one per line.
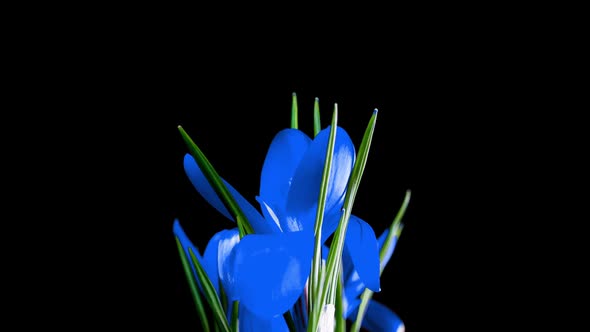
317,257
294,116
217,184
193,287
223,297
234,316
340,321
365,297
317,126
394,231
396,227
335,255
210,294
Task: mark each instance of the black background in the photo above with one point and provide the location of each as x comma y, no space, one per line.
459,124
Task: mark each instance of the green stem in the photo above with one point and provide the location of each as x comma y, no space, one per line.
234,316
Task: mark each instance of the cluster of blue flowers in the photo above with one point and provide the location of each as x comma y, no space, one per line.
265,272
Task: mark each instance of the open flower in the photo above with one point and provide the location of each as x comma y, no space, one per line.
263,268
282,245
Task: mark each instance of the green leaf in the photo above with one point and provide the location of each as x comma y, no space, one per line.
317,126
294,116
365,297
217,184
394,231
193,287
234,316
315,284
223,297
335,255
396,227
340,321
210,294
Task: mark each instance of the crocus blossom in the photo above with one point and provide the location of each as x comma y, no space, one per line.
268,271
283,243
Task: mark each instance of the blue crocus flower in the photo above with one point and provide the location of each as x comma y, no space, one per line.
267,271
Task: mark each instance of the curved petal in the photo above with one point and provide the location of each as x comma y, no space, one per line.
303,221
283,156
258,223
347,267
349,305
379,318
249,322
271,271
353,285
305,186
186,243
269,213
210,258
330,224
361,244
200,183
228,239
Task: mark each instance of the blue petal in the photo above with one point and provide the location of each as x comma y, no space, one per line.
330,224
200,183
302,221
210,258
258,223
249,322
271,271
186,243
349,305
389,252
361,244
353,285
283,157
228,239
379,318
347,267
270,213
305,187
